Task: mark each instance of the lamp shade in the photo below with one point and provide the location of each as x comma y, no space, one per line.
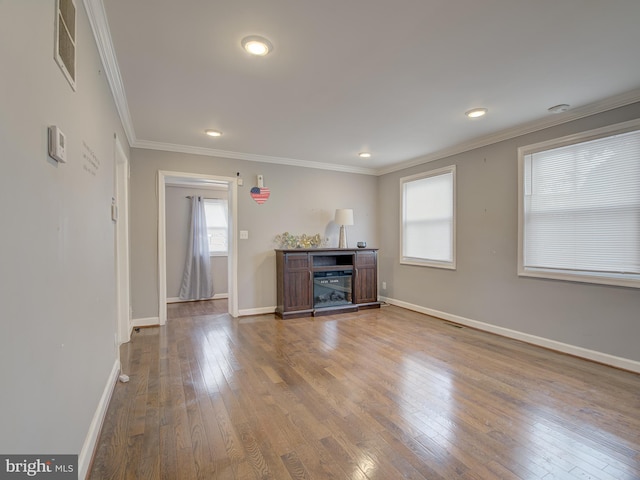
344,216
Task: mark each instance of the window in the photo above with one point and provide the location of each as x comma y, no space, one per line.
215,211
427,230
579,215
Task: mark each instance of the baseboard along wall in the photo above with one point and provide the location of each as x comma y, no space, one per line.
604,358
91,440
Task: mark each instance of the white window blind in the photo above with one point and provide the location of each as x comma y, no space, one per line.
217,227
428,218
581,207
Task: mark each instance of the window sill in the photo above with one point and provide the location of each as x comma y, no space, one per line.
428,263
621,280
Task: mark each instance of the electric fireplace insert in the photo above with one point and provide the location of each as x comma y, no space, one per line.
332,288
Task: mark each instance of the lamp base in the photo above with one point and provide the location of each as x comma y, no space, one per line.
342,242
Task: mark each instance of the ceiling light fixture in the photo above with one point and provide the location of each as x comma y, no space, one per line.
213,133
563,107
476,112
256,45
364,155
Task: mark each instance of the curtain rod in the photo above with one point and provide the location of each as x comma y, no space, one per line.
204,198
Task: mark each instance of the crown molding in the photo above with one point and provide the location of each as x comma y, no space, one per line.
100,27
600,106
251,157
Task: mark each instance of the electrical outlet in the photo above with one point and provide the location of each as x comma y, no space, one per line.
384,285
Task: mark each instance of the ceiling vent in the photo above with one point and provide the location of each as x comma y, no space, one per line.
65,52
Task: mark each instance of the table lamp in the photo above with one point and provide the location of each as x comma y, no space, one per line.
344,216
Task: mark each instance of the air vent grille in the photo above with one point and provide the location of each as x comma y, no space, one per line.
65,52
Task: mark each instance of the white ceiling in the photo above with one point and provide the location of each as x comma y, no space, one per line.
390,77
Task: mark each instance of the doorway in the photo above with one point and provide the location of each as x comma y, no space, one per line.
196,180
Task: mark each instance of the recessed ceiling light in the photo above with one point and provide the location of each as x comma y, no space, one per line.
563,107
256,45
213,133
364,155
476,112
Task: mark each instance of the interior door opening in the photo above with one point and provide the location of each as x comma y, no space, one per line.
196,181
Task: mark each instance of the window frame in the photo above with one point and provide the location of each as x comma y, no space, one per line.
425,262
602,278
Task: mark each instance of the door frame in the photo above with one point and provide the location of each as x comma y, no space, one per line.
163,175
123,295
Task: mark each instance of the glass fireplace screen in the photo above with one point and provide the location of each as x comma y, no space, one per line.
332,288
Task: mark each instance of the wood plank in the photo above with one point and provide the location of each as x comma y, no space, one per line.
384,393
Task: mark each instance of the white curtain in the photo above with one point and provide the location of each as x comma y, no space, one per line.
197,283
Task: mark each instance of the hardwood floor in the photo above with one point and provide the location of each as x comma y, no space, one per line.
377,394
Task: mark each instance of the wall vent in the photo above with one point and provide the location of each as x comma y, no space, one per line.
65,51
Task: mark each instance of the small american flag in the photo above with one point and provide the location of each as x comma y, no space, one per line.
260,195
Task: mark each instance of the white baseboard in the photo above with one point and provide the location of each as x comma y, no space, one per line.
90,441
145,322
217,296
154,321
604,358
256,311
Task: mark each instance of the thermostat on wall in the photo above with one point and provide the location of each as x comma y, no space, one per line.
57,144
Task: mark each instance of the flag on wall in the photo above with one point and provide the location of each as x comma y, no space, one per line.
260,194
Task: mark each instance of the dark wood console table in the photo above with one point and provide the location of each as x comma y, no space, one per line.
323,281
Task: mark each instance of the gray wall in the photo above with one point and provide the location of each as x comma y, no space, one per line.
178,213
57,244
302,200
485,286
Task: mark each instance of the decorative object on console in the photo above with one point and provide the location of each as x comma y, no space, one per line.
287,240
344,216
361,244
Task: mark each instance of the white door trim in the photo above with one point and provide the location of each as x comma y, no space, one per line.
162,239
123,331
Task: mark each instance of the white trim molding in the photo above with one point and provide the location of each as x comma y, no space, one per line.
100,27
256,311
145,322
599,357
252,157
122,253
91,440
577,113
